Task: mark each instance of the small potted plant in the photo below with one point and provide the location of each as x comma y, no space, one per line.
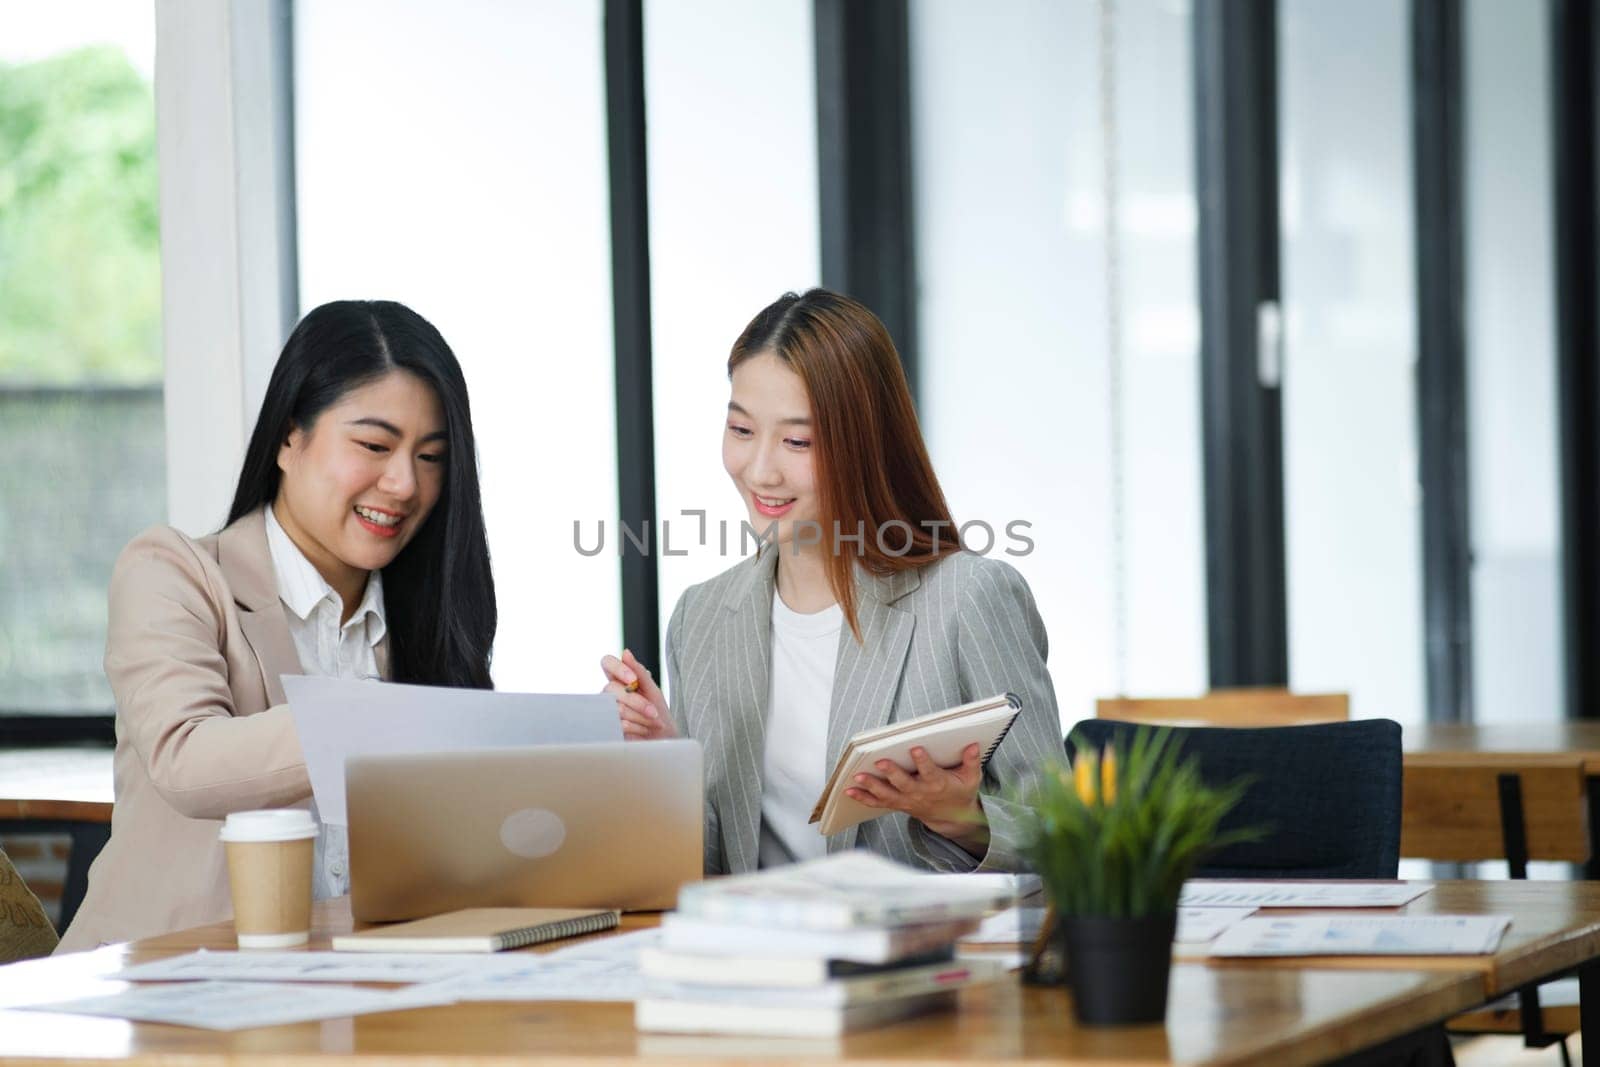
1113,836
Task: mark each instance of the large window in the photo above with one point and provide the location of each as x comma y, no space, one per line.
80,336
455,160
1056,238
732,226
1351,497
1511,392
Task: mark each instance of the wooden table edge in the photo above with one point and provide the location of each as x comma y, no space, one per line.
1454,993
15,809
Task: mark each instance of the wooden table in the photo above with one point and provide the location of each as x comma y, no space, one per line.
1555,928
60,790
1427,742
1457,742
1243,1015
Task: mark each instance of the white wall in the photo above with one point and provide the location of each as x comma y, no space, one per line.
454,158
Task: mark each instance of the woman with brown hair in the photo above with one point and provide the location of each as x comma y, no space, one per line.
859,609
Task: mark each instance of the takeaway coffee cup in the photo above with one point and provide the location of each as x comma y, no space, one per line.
269,867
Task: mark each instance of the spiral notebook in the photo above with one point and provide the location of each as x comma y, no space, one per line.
479,930
944,734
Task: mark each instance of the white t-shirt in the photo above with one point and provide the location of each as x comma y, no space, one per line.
327,648
805,649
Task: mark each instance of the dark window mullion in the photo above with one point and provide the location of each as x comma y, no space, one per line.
864,161
1441,359
630,296
1575,49
1236,173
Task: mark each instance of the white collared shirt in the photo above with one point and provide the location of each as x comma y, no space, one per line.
333,650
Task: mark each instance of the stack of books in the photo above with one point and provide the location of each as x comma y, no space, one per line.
817,949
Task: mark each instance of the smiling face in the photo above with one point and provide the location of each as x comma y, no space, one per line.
766,447
360,481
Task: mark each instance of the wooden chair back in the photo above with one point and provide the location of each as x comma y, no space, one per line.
1230,707
1482,807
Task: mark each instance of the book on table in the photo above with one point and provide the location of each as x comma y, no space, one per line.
816,949
867,944
845,891
945,735
835,1007
479,930
772,972
884,983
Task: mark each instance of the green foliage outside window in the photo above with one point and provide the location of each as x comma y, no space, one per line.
80,267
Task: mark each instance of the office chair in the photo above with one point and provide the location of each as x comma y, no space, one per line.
1326,796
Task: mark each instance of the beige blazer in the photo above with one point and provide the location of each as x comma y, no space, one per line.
961,628
196,641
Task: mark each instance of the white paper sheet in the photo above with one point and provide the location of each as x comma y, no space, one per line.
1301,894
1011,958
623,948
1008,927
604,969
257,966
1363,935
1021,925
1198,925
243,1005
336,718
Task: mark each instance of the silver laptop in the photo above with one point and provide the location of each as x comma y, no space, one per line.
601,825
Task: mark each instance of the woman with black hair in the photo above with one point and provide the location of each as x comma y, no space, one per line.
355,548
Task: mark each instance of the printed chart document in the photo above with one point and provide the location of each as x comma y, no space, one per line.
601,970
243,1005
1363,935
1198,925
256,966
336,718
1022,925
1300,894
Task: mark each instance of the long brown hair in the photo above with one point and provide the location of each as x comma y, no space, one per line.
872,467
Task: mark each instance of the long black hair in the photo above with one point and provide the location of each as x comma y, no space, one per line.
438,593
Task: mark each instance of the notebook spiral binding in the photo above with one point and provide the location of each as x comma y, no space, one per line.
1016,706
534,935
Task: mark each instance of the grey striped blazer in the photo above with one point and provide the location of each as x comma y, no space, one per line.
959,629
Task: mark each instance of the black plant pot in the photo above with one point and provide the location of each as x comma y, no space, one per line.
1119,967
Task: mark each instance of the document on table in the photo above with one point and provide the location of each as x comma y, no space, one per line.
243,1005
256,966
1022,925
599,970
1021,886
1363,935
336,718
1301,894
1198,925
1008,927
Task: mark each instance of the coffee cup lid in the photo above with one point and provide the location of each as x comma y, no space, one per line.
284,824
